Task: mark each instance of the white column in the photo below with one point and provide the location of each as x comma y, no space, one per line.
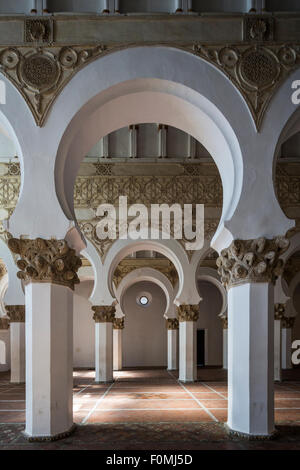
277,350
49,360
16,315
133,130
191,153
104,316
104,150
225,348
178,6
118,327
172,329
4,345
17,352
162,140
187,351
251,358
104,352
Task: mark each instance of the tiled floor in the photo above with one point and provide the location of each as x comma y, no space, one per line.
149,399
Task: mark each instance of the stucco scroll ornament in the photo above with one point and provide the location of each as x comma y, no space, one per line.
279,310
256,260
16,313
118,323
187,312
172,324
46,261
103,313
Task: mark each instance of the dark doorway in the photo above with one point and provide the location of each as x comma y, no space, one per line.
201,348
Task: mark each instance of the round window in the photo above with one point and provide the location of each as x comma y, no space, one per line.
144,300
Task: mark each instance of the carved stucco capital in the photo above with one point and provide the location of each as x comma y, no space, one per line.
279,311
172,324
4,323
16,313
246,261
187,312
46,261
118,323
224,322
287,322
103,313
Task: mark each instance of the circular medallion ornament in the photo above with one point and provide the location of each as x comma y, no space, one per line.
39,71
258,68
287,56
9,58
228,57
68,57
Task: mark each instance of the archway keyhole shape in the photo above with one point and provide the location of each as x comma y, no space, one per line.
112,96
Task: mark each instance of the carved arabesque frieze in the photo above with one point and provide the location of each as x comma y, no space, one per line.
46,261
41,72
90,191
126,266
188,312
246,261
16,313
104,313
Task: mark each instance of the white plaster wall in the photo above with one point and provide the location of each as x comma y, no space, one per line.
145,334
84,326
210,307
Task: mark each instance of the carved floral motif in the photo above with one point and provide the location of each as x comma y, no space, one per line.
279,311
46,261
252,261
103,313
16,313
172,324
187,312
118,323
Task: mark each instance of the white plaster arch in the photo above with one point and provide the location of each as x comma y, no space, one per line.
169,248
150,275
3,289
211,275
14,294
161,84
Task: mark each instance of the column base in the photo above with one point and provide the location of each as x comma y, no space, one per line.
250,437
104,381
187,381
55,437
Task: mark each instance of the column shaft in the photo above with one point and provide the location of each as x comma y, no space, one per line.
17,352
49,359
225,348
187,351
4,345
250,358
172,349
117,349
104,351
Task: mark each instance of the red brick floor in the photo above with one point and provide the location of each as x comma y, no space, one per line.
149,398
